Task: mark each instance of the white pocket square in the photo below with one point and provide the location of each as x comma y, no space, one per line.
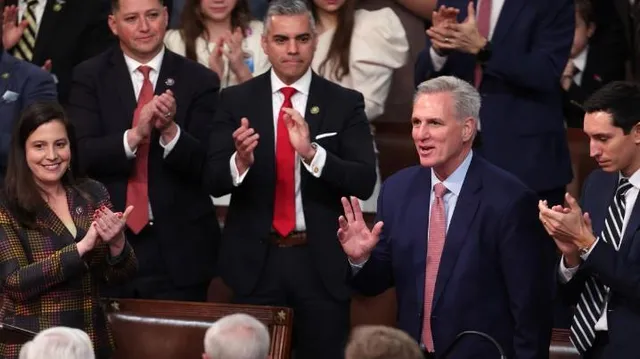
10,96
328,134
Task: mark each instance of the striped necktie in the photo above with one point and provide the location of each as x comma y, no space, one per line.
593,296
27,43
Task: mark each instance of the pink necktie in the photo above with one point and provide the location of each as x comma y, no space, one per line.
484,24
435,244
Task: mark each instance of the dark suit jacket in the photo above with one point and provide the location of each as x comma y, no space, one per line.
522,123
101,107
349,171
600,69
46,283
31,84
78,31
619,270
496,269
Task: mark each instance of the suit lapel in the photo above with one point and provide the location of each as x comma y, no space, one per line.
508,15
261,119
120,80
418,212
78,208
166,78
314,114
6,67
51,20
463,216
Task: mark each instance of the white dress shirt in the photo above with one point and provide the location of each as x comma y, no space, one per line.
299,102
567,273
496,7
453,183
580,62
137,78
38,10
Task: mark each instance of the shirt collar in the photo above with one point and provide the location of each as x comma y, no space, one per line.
456,179
155,63
634,179
302,85
580,61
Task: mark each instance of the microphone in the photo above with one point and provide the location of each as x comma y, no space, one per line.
469,332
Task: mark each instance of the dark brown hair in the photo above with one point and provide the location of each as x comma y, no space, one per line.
192,24
340,47
22,193
585,11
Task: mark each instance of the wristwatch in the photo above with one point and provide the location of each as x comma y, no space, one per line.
484,54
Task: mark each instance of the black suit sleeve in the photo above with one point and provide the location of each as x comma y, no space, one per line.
189,155
353,172
218,179
95,148
619,272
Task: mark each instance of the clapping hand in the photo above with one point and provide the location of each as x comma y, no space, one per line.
246,140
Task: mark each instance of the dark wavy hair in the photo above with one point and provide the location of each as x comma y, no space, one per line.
192,24
22,193
340,47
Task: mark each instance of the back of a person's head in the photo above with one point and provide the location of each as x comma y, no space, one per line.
237,336
59,343
380,342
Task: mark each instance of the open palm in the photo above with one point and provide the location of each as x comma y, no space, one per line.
355,237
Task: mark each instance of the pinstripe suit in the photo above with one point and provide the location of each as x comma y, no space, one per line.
44,280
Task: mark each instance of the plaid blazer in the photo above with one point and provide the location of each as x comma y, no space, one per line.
46,283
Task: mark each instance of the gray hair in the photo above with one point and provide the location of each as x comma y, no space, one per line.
59,343
237,336
288,8
466,99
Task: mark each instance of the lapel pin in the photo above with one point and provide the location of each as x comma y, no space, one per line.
79,210
169,82
5,75
315,110
58,5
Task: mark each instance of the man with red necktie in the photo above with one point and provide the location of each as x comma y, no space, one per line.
143,116
286,146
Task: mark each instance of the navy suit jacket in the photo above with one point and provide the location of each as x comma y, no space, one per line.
31,84
619,270
522,121
495,274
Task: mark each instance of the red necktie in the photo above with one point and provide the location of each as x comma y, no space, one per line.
484,25
284,212
137,187
435,245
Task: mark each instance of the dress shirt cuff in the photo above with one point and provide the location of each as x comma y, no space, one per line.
317,163
131,153
566,273
586,255
437,60
235,175
355,268
169,146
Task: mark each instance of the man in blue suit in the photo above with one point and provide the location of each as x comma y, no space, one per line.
600,242
460,242
514,51
21,83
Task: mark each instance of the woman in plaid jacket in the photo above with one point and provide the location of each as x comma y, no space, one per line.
59,239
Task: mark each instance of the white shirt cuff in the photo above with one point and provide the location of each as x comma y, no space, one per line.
131,153
566,273
355,268
169,146
437,60
235,175
317,163
586,255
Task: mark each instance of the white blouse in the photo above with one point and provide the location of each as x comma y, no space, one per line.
255,58
379,45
